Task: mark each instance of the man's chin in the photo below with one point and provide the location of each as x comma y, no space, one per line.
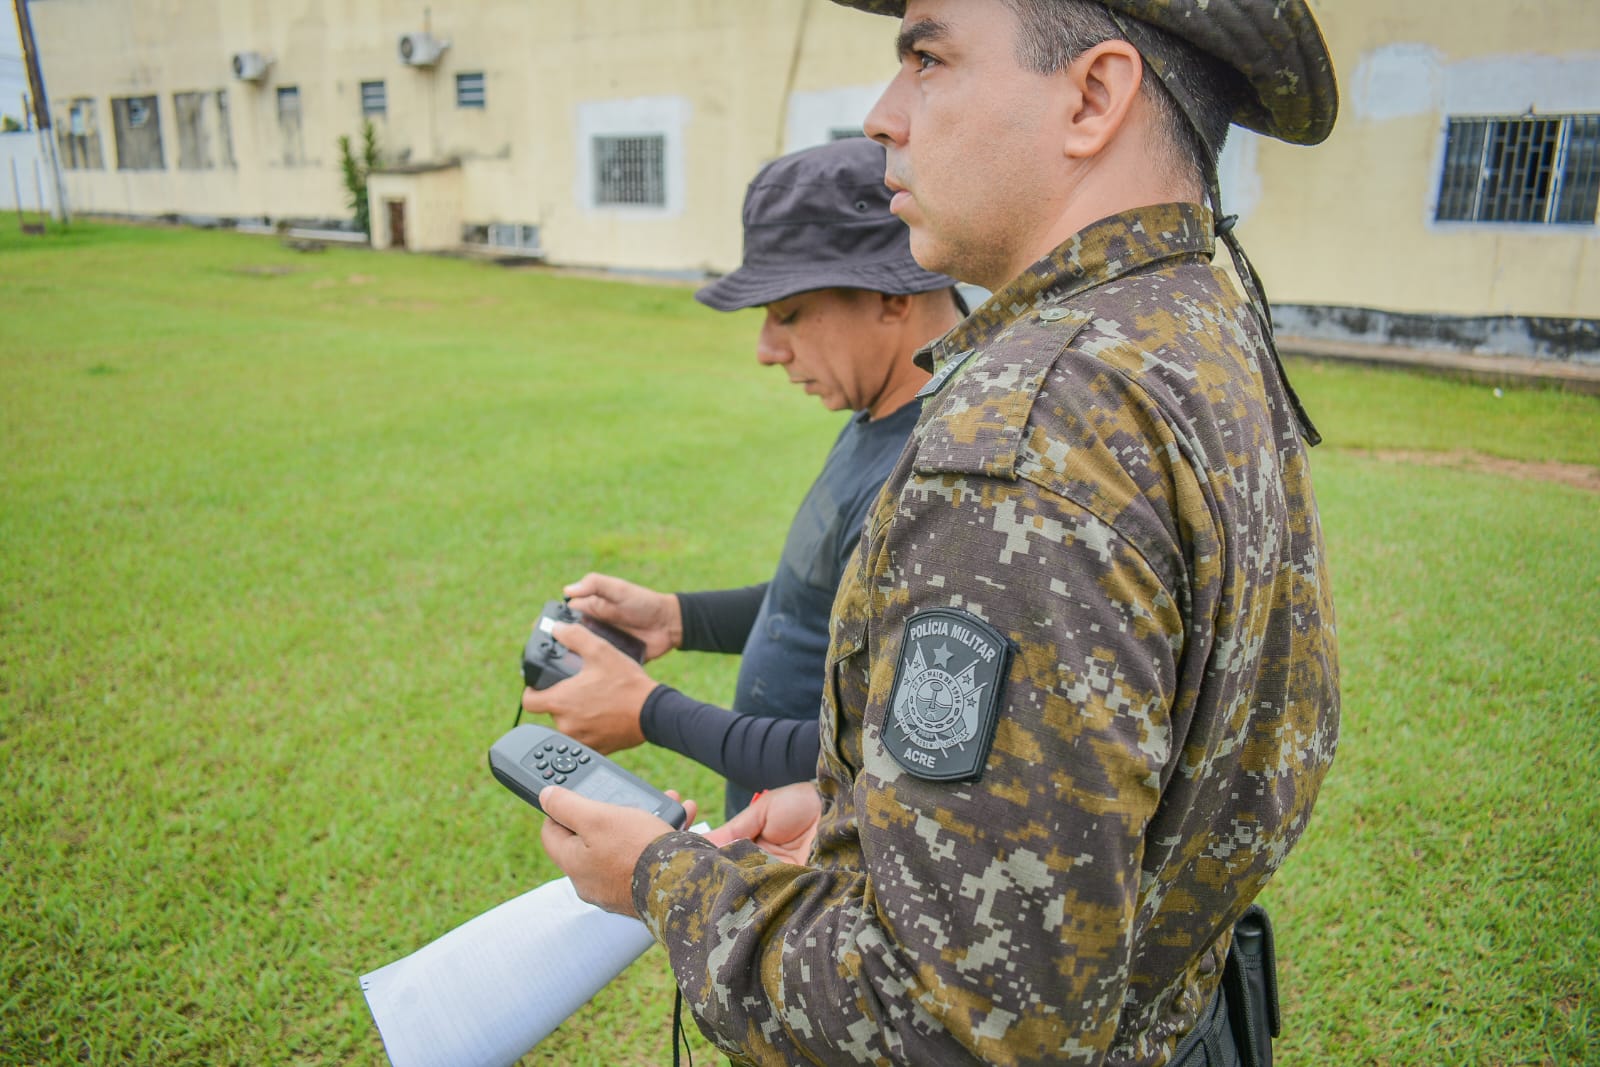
927,252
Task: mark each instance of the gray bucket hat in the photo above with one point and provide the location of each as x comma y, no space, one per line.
819,219
1274,44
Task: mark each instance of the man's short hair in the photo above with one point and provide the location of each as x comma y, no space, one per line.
1053,33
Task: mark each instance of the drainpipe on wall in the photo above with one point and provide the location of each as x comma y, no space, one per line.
782,125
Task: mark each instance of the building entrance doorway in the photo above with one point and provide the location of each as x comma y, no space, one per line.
397,223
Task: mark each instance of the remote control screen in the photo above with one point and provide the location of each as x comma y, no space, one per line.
605,784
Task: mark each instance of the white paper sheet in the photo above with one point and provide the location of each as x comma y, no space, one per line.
487,992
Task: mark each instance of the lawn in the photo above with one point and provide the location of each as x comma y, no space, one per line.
274,525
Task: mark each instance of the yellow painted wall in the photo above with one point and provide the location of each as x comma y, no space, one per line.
738,82
726,70
1351,221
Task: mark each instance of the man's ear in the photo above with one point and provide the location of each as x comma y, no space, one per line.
894,307
1106,81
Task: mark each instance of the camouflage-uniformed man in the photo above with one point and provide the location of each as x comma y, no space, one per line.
1082,682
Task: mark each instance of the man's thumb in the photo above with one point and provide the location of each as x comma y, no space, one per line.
566,807
578,638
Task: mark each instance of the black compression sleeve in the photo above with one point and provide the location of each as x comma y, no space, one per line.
748,750
719,620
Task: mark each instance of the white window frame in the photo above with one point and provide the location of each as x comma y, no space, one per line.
813,118
664,116
1490,143
1504,85
514,235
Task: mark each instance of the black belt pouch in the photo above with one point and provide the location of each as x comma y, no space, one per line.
1250,980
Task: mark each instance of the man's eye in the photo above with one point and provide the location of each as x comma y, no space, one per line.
788,320
924,61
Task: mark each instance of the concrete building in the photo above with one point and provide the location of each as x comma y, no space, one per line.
618,133
1455,201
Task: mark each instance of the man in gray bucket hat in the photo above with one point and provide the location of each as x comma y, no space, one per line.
846,309
1082,687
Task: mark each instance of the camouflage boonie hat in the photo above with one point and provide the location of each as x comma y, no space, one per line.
1274,44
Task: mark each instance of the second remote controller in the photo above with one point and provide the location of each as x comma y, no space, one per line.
546,661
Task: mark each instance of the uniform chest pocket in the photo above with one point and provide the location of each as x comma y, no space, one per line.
980,423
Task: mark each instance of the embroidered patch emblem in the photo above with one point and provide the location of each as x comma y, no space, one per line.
946,697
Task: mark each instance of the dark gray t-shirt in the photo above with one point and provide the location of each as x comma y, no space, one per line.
770,737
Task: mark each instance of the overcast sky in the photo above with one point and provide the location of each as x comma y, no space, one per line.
13,80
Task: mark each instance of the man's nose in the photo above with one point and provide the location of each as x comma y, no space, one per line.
885,123
770,349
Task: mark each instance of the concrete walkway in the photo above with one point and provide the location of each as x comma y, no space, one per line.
1489,370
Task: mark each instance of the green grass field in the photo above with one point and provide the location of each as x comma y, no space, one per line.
274,525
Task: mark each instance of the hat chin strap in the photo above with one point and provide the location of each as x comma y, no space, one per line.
1255,292
1257,295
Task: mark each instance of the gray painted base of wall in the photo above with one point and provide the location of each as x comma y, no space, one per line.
1563,340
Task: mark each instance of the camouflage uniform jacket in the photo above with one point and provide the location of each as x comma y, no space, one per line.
1110,477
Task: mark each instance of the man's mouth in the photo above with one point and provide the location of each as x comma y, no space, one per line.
901,194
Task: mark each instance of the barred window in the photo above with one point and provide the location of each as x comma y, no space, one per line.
1528,169
137,125
631,170
204,140
291,131
514,235
470,90
374,98
80,140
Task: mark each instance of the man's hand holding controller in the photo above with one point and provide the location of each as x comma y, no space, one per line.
652,617
600,704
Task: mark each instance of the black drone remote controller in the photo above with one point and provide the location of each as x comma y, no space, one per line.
546,661
531,757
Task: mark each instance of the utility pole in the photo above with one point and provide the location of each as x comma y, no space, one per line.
41,104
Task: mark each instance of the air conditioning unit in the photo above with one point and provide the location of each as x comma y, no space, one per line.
250,66
421,49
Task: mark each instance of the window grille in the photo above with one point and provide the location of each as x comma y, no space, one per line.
291,132
513,235
1528,169
194,148
374,98
224,129
80,142
1578,194
138,132
631,170
470,90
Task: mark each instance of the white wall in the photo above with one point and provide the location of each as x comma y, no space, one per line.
22,151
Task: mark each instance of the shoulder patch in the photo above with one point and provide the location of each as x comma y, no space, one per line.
945,703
